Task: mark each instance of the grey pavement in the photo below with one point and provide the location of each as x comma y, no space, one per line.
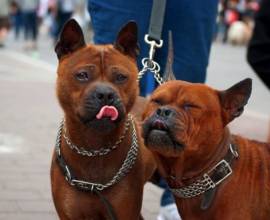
30,115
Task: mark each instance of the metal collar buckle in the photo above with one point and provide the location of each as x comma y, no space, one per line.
68,176
224,166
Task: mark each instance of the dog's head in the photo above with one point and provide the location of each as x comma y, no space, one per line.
97,84
188,119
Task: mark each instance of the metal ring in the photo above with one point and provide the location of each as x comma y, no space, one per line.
153,66
158,68
234,152
145,62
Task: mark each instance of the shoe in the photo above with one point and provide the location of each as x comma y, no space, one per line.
168,212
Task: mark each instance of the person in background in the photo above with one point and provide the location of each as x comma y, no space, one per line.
17,18
192,24
30,20
4,21
62,10
231,15
258,53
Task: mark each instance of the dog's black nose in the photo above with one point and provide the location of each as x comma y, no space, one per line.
164,112
105,94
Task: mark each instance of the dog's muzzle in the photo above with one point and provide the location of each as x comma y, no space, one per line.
102,108
158,130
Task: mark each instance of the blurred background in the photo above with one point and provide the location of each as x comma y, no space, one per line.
30,114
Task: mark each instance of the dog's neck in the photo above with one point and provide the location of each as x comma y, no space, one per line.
92,139
182,173
98,168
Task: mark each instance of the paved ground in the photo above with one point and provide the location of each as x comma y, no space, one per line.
30,115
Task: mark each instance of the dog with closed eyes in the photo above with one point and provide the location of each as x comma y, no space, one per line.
213,174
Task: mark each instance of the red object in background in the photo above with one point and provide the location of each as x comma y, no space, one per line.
254,6
231,16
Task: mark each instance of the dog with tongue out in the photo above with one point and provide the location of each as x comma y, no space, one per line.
108,111
100,164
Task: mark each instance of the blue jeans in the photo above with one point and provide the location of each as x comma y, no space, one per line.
30,25
61,19
192,23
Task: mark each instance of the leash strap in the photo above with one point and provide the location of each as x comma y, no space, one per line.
106,204
157,19
153,38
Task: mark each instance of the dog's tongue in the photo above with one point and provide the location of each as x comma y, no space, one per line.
108,111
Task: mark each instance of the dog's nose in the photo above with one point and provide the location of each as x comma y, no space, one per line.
164,112
105,94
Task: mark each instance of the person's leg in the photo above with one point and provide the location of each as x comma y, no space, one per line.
192,37
33,29
18,23
65,17
225,35
109,16
57,25
26,25
61,19
166,197
34,26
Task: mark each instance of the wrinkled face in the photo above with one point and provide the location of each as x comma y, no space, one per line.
181,118
97,85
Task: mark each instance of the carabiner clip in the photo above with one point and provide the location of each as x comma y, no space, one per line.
153,45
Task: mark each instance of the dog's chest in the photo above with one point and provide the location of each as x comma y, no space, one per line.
81,205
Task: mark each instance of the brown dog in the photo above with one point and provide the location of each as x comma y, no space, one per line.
213,175
100,160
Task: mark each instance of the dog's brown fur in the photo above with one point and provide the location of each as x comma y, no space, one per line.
197,138
101,63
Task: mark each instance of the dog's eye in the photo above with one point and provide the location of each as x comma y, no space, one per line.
82,76
188,106
157,101
120,78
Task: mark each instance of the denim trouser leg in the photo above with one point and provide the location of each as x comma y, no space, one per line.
191,21
166,197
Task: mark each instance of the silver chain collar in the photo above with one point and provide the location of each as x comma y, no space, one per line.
205,183
100,152
90,186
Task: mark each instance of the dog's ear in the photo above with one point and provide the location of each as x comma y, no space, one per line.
70,40
234,99
127,40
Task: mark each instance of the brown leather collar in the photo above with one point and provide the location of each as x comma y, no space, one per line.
207,184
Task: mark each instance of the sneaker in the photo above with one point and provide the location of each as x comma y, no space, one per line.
168,212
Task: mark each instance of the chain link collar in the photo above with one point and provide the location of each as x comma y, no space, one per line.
90,186
208,181
100,152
